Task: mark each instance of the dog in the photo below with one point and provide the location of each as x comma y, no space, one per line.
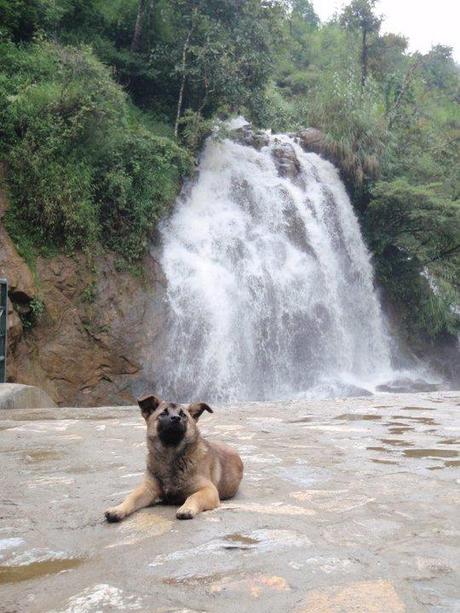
182,467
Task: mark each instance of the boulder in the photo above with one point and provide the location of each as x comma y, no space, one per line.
311,139
286,160
406,385
246,135
15,396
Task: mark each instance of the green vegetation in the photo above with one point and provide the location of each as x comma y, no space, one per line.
31,313
104,104
414,232
83,168
89,293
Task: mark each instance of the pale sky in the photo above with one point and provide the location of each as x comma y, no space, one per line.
423,22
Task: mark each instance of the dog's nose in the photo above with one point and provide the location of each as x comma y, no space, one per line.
175,418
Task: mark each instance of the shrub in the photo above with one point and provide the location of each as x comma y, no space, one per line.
194,130
136,181
82,167
413,232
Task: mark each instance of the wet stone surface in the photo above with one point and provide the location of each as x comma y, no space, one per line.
346,505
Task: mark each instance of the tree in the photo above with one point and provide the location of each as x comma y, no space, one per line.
414,235
440,70
143,6
183,70
224,57
359,15
304,10
387,56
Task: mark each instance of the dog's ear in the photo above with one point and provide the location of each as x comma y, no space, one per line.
198,408
148,405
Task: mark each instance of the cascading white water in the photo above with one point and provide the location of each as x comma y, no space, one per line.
270,285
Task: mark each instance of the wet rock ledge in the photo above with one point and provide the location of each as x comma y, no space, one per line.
346,505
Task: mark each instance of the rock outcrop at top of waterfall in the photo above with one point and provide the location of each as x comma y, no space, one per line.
352,168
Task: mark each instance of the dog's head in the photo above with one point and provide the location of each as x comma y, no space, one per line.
169,422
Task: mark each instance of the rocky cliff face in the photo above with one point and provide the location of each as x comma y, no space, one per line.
97,326
89,343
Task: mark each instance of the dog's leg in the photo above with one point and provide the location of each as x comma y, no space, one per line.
205,499
143,496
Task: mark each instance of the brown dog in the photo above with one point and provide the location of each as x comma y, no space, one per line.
182,467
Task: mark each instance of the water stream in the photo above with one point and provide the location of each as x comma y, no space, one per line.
270,285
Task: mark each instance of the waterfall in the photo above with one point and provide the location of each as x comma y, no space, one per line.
269,283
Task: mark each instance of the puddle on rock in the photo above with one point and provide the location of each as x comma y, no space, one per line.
396,442
449,441
429,421
300,421
379,449
384,461
272,508
265,541
430,453
41,455
358,417
241,538
83,470
452,463
417,409
38,416
192,580
35,570
401,429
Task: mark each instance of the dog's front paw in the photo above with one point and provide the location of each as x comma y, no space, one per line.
185,512
114,514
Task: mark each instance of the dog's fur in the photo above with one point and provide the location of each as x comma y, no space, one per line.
182,467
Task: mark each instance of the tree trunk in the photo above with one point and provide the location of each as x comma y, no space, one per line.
136,41
364,59
182,85
393,112
150,10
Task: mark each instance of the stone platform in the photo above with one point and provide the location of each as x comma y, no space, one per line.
347,505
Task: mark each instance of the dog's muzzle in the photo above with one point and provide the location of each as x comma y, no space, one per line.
171,430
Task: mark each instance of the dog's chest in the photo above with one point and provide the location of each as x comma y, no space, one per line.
174,478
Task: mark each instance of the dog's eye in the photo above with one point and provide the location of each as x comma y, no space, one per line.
181,413
164,412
